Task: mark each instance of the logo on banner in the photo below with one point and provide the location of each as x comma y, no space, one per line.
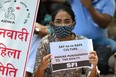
11,12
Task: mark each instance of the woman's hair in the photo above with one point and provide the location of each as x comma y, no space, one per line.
63,8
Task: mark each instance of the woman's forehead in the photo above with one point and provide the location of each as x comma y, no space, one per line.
62,14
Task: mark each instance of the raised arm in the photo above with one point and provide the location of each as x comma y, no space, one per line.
102,19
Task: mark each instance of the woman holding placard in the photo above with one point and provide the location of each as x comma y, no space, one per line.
63,22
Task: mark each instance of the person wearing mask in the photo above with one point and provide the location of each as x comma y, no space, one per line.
63,22
41,29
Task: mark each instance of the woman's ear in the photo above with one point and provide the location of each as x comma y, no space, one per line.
74,23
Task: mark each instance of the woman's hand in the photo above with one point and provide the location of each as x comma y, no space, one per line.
93,58
43,29
45,62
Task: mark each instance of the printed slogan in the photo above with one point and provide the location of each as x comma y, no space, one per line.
70,54
17,18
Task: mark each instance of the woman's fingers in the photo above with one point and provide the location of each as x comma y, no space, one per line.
93,52
93,55
46,61
93,59
47,57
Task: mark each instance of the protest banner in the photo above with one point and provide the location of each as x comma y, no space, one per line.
70,54
17,18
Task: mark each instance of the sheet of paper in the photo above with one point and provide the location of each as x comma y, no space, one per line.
70,54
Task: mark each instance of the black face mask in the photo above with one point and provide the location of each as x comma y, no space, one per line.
63,31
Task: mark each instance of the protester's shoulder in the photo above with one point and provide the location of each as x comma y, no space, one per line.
79,37
106,3
46,38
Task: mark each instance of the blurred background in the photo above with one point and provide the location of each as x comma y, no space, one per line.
112,27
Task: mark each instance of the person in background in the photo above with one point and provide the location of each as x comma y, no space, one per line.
93,18
63,22
41,29
112,63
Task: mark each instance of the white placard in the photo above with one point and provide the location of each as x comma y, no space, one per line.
70,54
17,18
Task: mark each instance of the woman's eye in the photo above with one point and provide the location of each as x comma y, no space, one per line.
67,22
58,22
